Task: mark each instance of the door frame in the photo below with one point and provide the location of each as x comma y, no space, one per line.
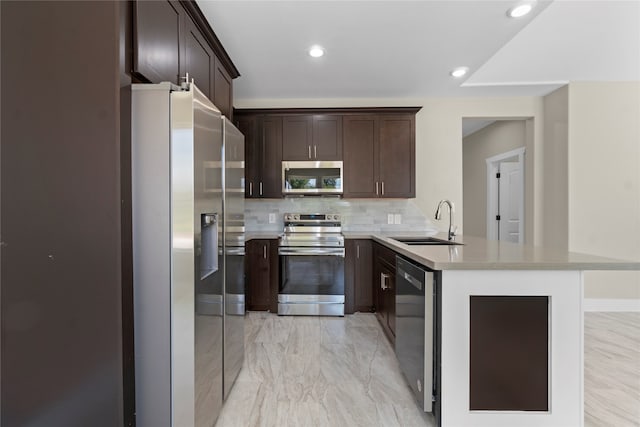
493,166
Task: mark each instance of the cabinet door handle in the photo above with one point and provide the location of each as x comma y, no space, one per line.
358,251
376,188
261,188
250,188
264,251
309,147
315,151
383,281
382,185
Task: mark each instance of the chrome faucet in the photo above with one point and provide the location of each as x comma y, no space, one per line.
452,230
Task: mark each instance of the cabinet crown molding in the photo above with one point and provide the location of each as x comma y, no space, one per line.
341,110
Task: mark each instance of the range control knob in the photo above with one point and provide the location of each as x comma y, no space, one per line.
336,217
296,217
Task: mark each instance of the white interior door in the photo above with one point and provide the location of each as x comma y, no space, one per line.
510,201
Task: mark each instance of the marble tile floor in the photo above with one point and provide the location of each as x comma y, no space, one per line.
319,371
325,371
612,369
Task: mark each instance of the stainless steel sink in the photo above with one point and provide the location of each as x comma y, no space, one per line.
424,241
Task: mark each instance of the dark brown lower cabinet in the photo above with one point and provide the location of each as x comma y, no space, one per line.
358,288
262,275
509,353
384,283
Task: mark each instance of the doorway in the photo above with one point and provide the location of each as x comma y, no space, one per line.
505,196
491,145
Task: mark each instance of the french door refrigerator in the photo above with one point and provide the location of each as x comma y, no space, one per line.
188,246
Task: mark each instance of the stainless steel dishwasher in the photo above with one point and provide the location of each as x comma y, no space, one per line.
415,328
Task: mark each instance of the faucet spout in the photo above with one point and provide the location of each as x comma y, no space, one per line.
451,234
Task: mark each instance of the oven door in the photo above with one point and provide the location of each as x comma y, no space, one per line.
311,281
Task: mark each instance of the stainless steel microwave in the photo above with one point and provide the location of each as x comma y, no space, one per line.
313,178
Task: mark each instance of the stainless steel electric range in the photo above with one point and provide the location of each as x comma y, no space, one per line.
311,252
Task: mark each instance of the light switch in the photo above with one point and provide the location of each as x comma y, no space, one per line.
272,218
397,218
390,218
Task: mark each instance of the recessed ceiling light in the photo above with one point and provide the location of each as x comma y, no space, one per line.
316,51
520,10
459,72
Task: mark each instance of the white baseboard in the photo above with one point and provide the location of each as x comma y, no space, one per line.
617,304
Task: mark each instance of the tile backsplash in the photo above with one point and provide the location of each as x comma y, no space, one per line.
357,214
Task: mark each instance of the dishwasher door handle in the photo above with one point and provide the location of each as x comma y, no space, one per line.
409,278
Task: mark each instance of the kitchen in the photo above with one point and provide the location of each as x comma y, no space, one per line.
78,192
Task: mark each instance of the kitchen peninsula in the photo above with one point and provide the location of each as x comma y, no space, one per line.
508,341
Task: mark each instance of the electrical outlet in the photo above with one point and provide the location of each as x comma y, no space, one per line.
272,218
397,219
390,218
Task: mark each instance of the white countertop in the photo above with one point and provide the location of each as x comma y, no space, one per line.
477,253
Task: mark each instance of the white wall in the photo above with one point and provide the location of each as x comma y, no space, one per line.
439,143
497,138
604,181
555,179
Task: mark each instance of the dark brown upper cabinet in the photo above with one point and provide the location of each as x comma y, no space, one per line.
223,89
199,59
359,154
312,137
270,184
377,146
379,156
327,137
263,155
248,125
173,39
158,28
296,138
396,162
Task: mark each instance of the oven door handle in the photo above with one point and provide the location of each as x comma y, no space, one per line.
311,251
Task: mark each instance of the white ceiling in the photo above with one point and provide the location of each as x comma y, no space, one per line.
400,49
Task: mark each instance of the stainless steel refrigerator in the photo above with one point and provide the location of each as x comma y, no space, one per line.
188,244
